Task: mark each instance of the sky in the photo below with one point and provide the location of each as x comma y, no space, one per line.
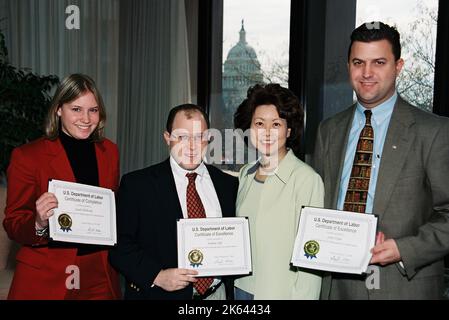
400,12
267,22
267,25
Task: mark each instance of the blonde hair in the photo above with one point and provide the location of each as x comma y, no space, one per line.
70,89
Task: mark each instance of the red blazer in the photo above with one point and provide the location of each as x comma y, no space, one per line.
41,272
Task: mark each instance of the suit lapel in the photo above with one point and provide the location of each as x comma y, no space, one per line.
397,145
103,164
62,169
338,145
244,183
59,163
166,182
220,189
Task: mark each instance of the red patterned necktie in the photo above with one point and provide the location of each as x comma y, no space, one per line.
357,192
195,209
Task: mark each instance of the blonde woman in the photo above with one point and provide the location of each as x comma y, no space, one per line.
74,150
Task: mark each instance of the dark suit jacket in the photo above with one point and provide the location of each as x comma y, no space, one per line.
411,199
147,210
41,272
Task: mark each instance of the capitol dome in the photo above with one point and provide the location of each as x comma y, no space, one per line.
242,50
242,59
241,70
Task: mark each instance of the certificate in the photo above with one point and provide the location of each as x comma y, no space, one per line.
214,246
85,214
336,241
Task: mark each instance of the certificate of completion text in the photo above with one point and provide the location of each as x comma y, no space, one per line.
85,214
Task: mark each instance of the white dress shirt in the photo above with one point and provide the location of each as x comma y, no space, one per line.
204,187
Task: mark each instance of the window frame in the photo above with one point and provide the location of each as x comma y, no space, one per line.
305,81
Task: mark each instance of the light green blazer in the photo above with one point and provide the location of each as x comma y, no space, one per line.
273,229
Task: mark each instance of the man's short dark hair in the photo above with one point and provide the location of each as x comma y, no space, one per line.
188,109
376,31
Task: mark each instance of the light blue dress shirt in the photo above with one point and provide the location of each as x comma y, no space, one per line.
380,120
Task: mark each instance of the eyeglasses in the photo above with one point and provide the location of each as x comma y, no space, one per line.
184,138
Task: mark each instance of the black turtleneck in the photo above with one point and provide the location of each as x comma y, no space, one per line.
82,158
83,161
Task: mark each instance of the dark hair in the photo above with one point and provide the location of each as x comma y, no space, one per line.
286,103
188,109
376,31
72,87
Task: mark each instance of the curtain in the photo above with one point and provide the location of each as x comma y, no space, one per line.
37,38
154,77
136,50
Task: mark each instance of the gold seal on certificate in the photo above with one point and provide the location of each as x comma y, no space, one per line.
214,246
65,222
333,240
311,248
85,214
195,258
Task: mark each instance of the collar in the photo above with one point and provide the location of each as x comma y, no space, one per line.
180,172
381,112
284,169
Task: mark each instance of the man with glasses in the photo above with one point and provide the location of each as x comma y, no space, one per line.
151,200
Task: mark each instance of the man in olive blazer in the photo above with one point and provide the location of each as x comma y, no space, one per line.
411,197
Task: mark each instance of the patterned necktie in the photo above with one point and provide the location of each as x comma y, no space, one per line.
195,209
357,193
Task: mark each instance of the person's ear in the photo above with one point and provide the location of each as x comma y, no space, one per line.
399,66
167,138
208,136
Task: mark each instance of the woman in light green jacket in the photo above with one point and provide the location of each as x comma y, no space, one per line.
271,194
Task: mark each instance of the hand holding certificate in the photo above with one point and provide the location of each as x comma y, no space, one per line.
336,241
214,246
85,214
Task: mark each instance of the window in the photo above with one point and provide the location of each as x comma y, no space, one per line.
416,21
255,50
